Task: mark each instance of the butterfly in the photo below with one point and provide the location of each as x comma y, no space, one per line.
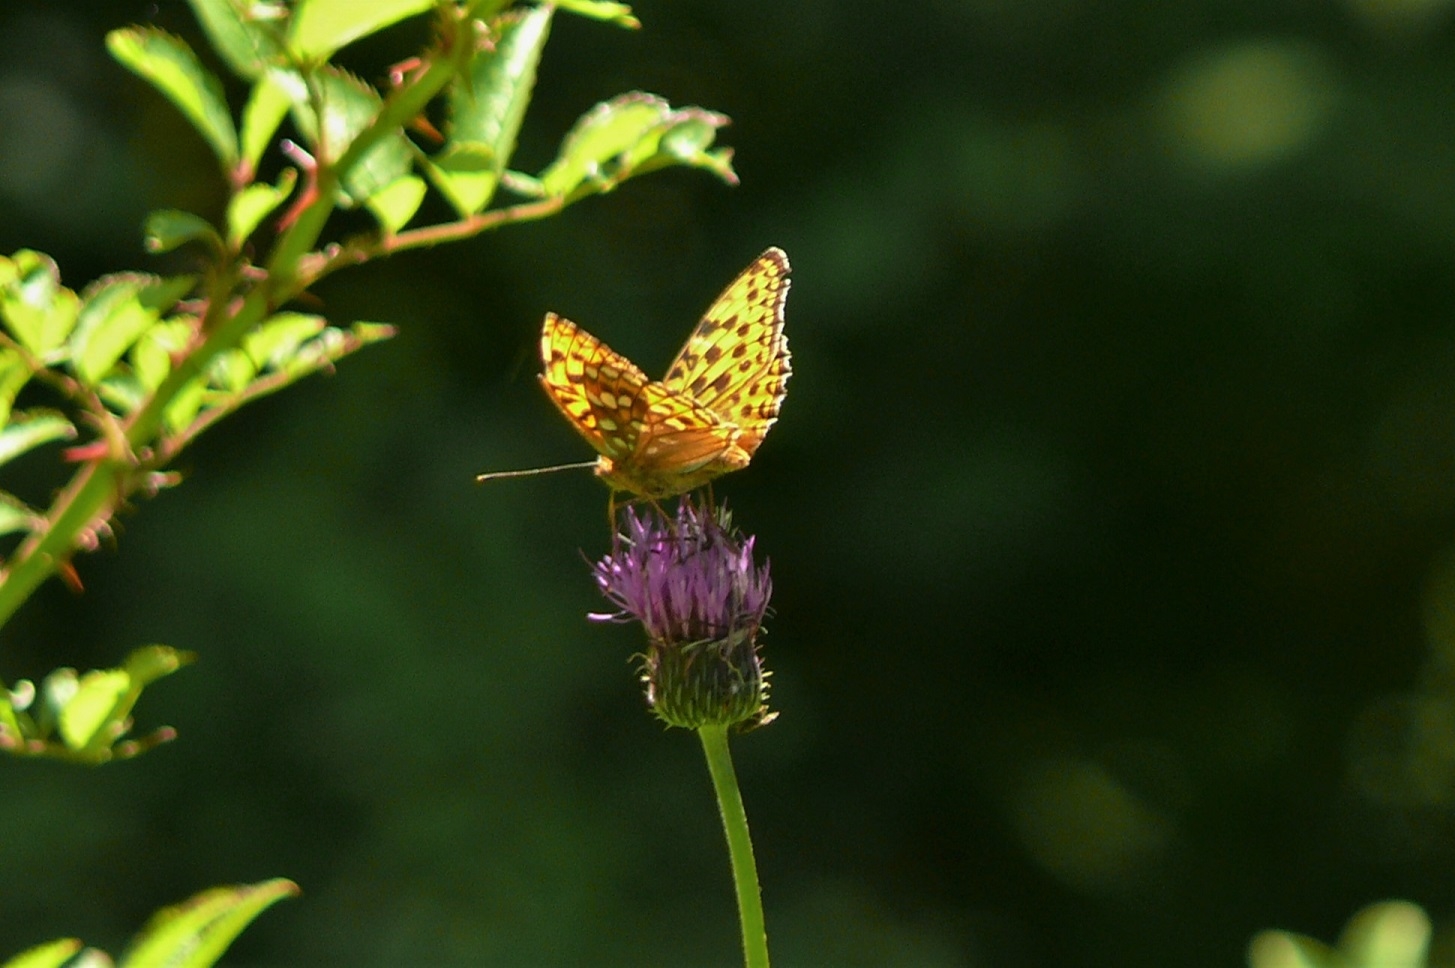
705,418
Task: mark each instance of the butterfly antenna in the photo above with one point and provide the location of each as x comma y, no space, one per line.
532,472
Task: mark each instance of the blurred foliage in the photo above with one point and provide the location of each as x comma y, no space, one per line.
1393,934
193,934
1110,513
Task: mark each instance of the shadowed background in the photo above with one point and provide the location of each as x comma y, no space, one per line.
1110,511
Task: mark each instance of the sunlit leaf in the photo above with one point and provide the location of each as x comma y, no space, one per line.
117,311
395,204
243,32
332,345
56,690
92,707
185,405
231,370
15,516
1391,934
632,134
687,140
166,229
173,69
466,174
122,391
52,954
527,186
1282,949
253,204
602,135
14,374
487,107
152,662
151,356
34,306
321,27
31,429
279,337
196,933
348,106
92,712
617,13
321,351
273,93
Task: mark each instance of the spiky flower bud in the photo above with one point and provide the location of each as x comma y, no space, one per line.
692,584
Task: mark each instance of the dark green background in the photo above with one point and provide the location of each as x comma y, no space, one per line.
1110,511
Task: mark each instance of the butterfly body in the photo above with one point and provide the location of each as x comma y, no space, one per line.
706,417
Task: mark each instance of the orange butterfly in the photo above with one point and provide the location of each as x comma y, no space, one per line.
705,418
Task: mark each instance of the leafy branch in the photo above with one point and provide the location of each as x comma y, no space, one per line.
138,366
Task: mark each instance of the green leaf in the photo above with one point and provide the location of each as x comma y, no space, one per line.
166,229
278,338
601,135
273,93
527,186
122,391
31,429
92,712
348,107
487,107
617,13
632,134
196,933
244,33
52,954
152,662
56,690
331,345
14,374
466,174
1282,949
185,406
117,311
170,66
686,140
395,204
1391,934
151,356
253,204
232,370
34,306
16,516
98,695
321,27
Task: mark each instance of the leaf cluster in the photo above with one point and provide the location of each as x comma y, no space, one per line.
136,366
131,368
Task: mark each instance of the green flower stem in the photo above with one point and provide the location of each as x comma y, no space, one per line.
740,845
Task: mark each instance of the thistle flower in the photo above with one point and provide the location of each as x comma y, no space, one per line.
692,584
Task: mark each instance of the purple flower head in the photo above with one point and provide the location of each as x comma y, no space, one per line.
692,584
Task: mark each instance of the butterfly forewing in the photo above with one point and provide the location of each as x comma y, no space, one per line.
599,390
736,363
